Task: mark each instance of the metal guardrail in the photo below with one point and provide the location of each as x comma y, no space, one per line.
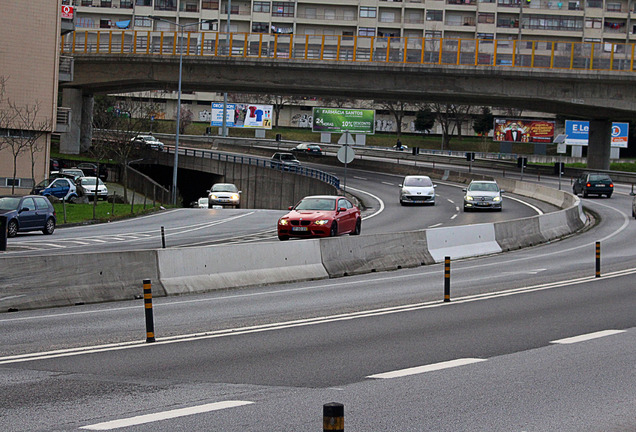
563,55
260,162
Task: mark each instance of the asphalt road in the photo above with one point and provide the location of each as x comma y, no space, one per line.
498,357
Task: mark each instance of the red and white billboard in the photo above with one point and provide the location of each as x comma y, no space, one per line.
527,131
67,12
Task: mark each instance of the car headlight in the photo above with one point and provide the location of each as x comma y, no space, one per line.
405,192
283,222
322,222
468,198
213,197
497,199
235,197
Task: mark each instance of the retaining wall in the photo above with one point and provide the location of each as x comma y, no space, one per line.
46,281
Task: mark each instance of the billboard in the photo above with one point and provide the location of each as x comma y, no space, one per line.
578,132
338,120
526,131
242,115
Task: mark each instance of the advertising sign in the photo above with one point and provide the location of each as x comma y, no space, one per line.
338,120
67,12
578,133
526,131
242,115
619,134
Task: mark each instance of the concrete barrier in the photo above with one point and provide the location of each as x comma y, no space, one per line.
462,241
200,269
63,280
368,253
519,233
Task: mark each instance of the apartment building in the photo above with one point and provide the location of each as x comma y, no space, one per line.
608,21
29,71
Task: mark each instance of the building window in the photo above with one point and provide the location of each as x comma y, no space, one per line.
613,7
310,13
104,23
143,21
210,4
87,2
330,14
367,12
10,182
259,27
261,6
593,23
366,31
434,15
595,3
433,34
280,9
486,18
485,36
143,2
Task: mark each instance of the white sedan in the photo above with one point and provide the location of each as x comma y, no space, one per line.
417,190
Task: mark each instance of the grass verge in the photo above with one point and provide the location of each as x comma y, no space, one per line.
104,212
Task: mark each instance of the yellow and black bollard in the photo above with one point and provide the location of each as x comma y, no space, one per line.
333,417
150,325
447,279
598,259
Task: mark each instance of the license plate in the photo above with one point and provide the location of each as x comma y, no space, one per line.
299,228
600,185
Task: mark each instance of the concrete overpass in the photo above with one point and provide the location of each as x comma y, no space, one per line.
599,95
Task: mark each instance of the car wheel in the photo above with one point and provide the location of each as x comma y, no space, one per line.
609,195
466,209
402,203
357,229
49,227
12,228
334,229
283,237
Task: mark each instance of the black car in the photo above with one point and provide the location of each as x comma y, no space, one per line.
593,184
28,213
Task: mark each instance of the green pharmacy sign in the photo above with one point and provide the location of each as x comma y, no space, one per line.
338,120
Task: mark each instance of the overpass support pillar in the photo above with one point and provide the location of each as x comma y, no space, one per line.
80,134
598,151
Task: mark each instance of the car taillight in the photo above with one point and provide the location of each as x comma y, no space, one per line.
588,185
611,184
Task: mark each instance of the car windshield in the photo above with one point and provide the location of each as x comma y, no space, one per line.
203,200
600,178
224,187
418,182
316,204
9,203
89,181
287,157
483,187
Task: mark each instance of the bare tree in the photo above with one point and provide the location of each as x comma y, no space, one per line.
462,114
22,127
398,109
116,122
445,117
185,118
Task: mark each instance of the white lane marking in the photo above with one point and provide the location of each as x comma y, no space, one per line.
450,201
388,184
436,225
359,178
427,368
454,216
165,415
286,324
380,210
535,208
532,272
587,337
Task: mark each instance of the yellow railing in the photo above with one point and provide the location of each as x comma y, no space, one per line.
432,51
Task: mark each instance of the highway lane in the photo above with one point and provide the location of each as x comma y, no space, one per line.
198,227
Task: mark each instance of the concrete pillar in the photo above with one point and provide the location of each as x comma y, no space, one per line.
70,141
86,127
598,150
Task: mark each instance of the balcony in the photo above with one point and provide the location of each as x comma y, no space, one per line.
66,69
63,120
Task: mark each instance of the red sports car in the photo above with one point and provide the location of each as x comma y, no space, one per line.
320,216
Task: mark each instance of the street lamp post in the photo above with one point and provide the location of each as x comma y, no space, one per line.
176,140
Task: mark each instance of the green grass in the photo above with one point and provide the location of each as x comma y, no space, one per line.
79,213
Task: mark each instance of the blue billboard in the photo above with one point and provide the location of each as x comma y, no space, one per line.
578,133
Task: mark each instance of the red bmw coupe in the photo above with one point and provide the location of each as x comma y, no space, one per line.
320,216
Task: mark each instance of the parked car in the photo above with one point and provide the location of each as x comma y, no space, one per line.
320,216
54,165
224,194
284,161
63,188
28,213
593,184
483,194
417,189
148,141
312,149
87,184
89,169
72,173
